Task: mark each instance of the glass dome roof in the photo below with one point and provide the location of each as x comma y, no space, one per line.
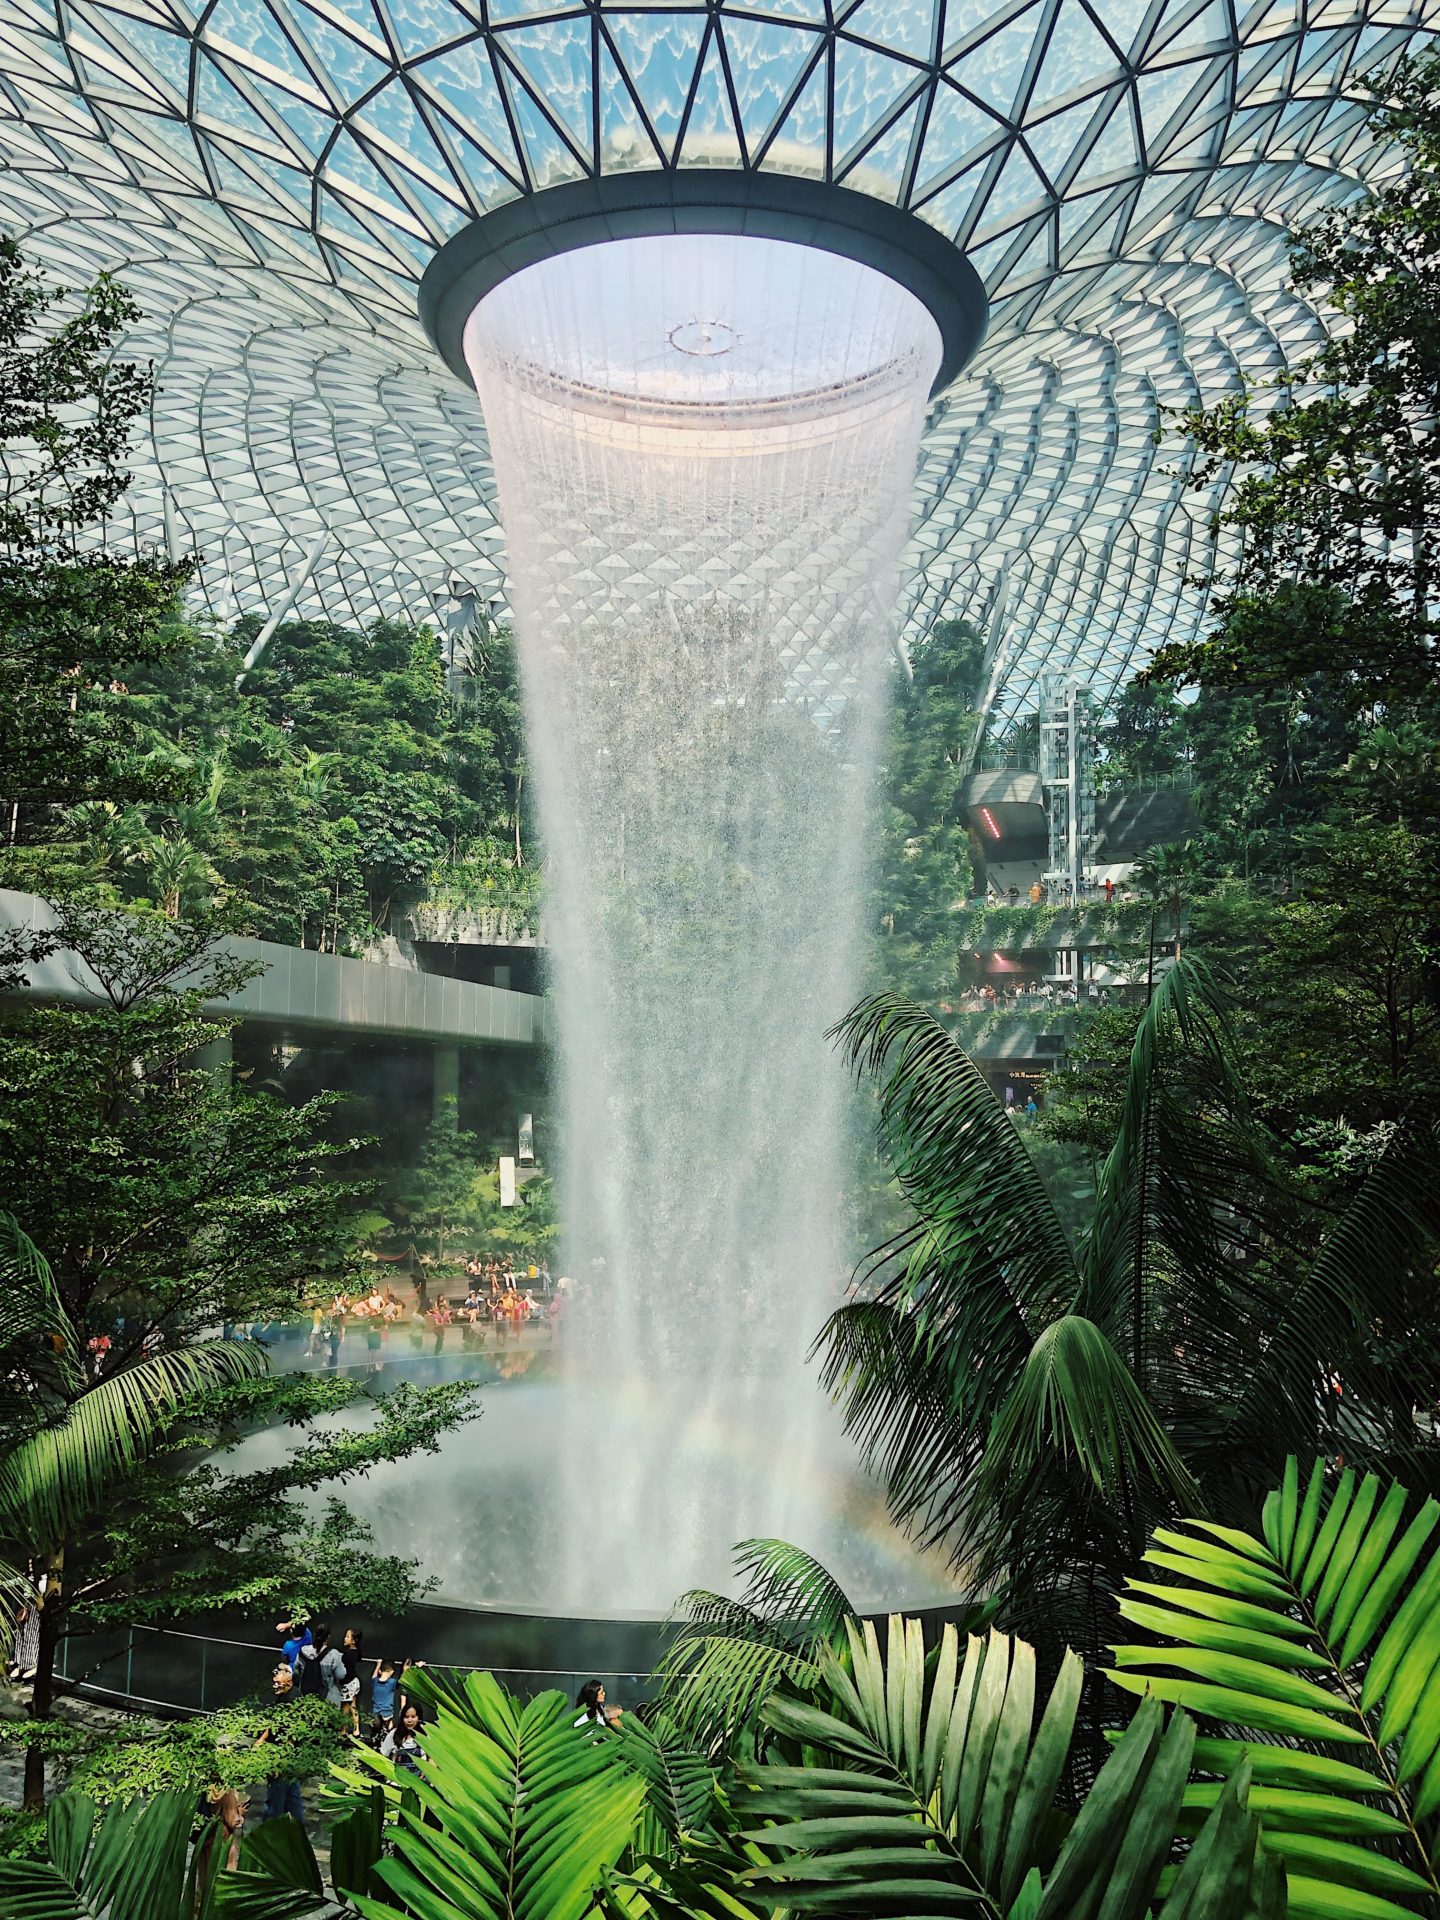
272,176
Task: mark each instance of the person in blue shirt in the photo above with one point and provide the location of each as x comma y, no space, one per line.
298,1635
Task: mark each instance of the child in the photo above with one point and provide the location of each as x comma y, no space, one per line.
350,1685
383,1683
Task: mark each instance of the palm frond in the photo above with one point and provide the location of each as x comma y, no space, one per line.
133,1863
1322,1635
680,1782
922,1371
960,1162
1362,1306
517,1815
1187,1179
54,1478
933,1793
37,1341
726,1656
785,1583
1076,1401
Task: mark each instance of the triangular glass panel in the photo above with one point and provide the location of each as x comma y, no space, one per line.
169,134
1038,257
987,260
766,60
1246,131
659,52
391,114
1377,49
337,219
288,184
311,128
350,70
711,139
625,142
957,132
903,26
1207,29
880,170
550,160
217,100
359,14
1148,212
1260,70
232,178
868,86
1076,216
995,70
422,27
349,162
1053,142
1078,55
799,145
1017,187
1277,18
1123,20
464,82
558,68
253,33
167,53
1160,95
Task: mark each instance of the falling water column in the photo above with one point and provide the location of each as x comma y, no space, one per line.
704,450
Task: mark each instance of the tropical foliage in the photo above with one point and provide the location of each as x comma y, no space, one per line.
1313,1644
727,1655
134,1861
895,1777
1039,1405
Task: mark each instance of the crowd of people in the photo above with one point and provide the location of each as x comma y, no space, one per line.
1035,996
377,1708
1058,893
498,1296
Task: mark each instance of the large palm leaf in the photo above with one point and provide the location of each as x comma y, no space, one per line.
922,1370
1324,1633
37,1341
931,1791
55,1478
517,1815
133,1862
726,1656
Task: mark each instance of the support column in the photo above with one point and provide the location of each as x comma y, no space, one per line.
217,1058
447,1079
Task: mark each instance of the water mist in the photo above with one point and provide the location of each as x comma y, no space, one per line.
704,448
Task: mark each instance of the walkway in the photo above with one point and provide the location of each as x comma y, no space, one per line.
302,991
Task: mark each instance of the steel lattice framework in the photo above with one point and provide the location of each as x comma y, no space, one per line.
272,176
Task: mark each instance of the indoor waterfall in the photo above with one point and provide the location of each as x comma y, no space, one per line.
704,448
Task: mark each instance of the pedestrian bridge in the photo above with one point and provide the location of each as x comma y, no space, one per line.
301,992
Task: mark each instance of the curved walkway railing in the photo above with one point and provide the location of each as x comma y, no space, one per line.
167,1670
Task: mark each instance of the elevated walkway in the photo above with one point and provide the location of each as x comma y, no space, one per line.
302,992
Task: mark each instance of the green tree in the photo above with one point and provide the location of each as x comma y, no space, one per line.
1338,460
1038,1406
170,1206
437,1196
924,869
75,620
1306,1643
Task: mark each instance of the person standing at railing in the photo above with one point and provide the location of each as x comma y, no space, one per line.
282,1796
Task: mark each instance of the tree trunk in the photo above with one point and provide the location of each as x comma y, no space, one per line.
42,1693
